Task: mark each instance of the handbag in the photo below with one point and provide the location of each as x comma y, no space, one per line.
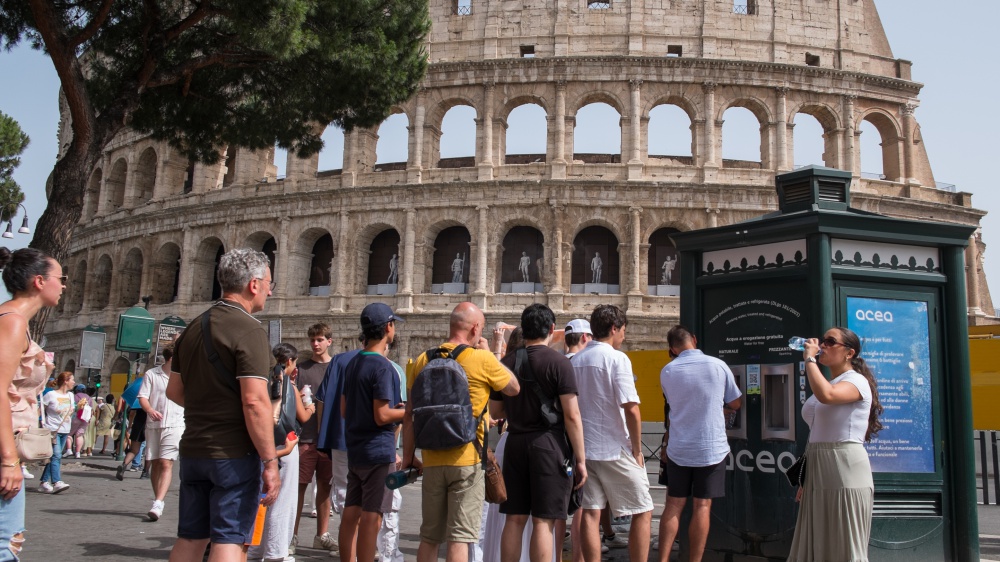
496,489
33,444
796,474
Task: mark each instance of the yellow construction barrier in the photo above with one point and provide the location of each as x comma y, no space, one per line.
984,362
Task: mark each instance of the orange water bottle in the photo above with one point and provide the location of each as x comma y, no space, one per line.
258,524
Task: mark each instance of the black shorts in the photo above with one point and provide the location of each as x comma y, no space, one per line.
702,482
366,488
535,475
137,431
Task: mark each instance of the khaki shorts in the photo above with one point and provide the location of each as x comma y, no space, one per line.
621,483
162,443
453,499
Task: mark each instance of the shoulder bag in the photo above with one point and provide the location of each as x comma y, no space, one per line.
35,443
796,474
496,489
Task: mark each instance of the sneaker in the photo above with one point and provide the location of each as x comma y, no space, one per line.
615,541
676,547
27,475
621,524
313,514
604,549
77,455
59,486
325,542
145,474
293,545
133,469
285,559
120,472
45,488
156,511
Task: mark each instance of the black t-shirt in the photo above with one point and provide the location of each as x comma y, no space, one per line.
369,377
555,376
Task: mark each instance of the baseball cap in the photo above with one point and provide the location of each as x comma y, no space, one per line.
376,314
578,326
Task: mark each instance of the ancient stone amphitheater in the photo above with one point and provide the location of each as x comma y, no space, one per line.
504,230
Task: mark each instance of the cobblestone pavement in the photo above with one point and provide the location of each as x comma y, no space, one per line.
100,518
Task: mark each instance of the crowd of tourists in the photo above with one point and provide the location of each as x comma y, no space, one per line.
255,428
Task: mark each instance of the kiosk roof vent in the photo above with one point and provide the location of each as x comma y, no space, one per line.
812,188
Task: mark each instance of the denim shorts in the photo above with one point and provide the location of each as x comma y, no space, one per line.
11,523
219,499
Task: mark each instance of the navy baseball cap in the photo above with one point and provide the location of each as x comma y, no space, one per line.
376,314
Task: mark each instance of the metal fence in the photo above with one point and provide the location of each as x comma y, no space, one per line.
987,464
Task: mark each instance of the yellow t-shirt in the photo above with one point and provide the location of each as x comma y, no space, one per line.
485,373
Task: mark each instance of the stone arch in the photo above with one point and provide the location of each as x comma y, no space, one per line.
115,186
683,102
829,121
78,284
145,177
528,130
459,137
120,365
383,249
363,254
761,113
451,244
592,242
663,262
92,196
668,144
520,242
264,241
205,286
70,364
752,104
520,100
436,112
599,96
165,272
890,132
130,279
593,140
392,141
101,292
310,261
331,156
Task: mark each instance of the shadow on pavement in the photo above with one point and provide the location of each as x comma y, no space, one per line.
96,549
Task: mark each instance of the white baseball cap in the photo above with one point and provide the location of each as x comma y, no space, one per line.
578,326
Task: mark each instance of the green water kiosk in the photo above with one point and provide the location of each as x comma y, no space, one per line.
900,284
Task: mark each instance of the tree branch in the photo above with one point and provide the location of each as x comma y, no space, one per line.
200,13
88,32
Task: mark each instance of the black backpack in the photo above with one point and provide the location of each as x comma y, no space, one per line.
442,407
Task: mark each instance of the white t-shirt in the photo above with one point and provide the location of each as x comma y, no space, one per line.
154,389
605,382
840,423
59,412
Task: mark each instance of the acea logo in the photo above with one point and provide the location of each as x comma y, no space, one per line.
763,461
873,315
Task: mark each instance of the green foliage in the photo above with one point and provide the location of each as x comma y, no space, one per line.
13,141
203,75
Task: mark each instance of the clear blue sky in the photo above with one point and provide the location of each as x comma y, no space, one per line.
950,48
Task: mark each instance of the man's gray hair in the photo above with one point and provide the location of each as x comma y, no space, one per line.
237,267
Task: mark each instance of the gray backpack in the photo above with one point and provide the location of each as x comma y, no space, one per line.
442,407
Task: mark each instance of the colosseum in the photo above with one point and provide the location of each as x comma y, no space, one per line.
565,227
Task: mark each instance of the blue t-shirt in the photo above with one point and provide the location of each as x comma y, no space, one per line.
369,377
331,427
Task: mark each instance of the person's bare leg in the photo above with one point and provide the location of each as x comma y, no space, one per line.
348,536
510,537
227,553
368,536
426,552
606,521
323,507
698,528
160,475
302,502
590,535
457,552
670,521
559,534
186,550
576,542
638,536
541,540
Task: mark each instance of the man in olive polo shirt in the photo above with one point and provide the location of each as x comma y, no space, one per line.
227,453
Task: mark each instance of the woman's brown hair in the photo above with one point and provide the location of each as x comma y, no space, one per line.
62,378
851,340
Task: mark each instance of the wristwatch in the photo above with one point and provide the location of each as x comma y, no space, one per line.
811,360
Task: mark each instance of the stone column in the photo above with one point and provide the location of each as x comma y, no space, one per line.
558,168
415,172
486,162
781,163
710,139
713,217
636,242
185,279
404,297
554,277
281,256
634,163
339,298
482,249
907,112
972,276
849,156
348,174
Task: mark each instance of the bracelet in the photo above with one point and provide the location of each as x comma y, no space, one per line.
15,464
269,460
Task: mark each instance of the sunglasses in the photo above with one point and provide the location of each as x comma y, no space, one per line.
830,342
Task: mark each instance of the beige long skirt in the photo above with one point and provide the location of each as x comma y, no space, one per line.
835,514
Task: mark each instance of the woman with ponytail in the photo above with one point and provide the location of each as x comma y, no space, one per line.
835,514
35,281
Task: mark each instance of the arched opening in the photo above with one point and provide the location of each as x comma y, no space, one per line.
458,138
809,144
741,139
115,186
597,136
205,285
670,137
384,263
166,269
280,162
70,364
120,365
230,165
145,176
320,265
663,270
450,270
595,261
130,279
93,195
269,248
102,283
521,266
393,143
525,140
77,286
880,148
332,156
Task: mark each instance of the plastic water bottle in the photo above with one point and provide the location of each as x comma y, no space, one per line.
401,478
307,395
798,343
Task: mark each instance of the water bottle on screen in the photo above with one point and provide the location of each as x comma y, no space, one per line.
798,343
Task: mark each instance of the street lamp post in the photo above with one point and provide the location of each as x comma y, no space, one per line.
9,233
